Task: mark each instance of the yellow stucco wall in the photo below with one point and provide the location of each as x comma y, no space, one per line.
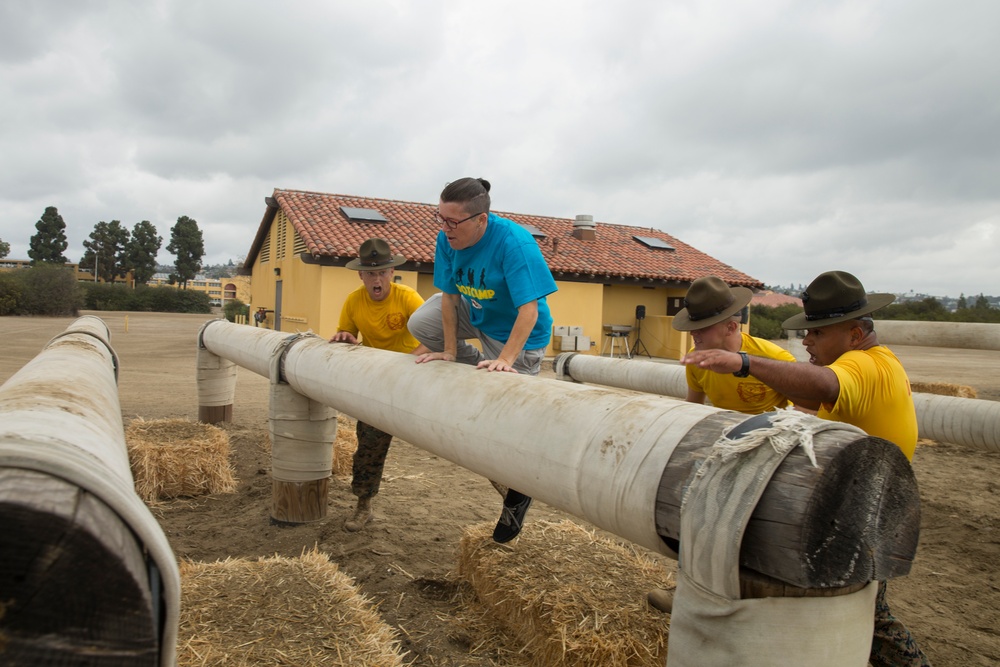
577,305
658,336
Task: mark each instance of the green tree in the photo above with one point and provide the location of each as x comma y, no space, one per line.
927,309
105,251
141,251
962,302
188,247
4,248
49,242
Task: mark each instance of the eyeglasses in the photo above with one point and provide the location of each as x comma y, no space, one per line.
452,224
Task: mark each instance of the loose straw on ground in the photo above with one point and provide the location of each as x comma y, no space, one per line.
567,596
279,611
172,458
944,389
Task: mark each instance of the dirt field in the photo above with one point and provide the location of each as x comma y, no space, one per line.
950,601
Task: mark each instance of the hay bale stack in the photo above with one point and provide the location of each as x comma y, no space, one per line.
944,389
568,596
173,458
345,446
278,611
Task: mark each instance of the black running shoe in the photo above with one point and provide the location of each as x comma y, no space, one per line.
511,519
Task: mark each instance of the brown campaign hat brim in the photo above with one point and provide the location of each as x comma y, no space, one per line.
741,297
356,265
873,303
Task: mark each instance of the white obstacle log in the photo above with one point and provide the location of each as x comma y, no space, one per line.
957,335
962,421
633,374
617,460
86,573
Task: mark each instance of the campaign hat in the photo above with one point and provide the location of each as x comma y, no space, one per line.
835,296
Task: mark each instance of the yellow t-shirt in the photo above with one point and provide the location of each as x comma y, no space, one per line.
875,396
748,395
382,324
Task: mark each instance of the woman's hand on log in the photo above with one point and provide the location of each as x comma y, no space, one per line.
435,356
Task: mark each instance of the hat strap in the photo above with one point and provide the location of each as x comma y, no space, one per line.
695,317
834,312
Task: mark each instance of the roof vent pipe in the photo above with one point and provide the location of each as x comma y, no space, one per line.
584,228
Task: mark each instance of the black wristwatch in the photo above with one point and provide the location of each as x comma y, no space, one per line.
745,370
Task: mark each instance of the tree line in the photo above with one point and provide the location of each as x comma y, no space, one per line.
765,321
112,250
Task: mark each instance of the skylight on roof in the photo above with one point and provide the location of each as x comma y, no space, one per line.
365,214
653,242
534,231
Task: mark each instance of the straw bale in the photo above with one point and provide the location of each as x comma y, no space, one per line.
345,446
567,596
172,458
944,389
279,611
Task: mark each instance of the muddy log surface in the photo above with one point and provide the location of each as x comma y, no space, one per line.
403,560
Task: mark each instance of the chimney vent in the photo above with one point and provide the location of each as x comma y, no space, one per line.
584,228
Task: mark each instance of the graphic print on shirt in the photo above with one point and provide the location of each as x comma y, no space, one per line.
395,321
751,392
482,293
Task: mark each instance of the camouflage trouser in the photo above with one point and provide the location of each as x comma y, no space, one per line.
369,459
892,644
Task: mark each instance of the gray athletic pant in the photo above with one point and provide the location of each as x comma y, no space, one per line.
426,326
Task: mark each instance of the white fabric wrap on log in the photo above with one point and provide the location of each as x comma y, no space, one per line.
216,380
710,625
302,436
83,442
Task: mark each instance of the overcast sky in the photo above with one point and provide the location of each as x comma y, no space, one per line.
785,138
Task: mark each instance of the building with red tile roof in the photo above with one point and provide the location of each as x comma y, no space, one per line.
774,299
603,270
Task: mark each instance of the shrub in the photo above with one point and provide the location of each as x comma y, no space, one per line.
49,289
11,293
110,296
236,307
765,321
107,296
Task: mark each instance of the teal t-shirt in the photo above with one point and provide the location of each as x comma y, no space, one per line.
502,271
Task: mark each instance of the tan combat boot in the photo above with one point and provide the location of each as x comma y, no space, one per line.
362,515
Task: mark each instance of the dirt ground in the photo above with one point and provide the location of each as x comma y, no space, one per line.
402,561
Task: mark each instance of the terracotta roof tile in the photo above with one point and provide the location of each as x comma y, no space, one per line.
411,231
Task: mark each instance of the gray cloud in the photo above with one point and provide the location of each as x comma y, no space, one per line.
783,138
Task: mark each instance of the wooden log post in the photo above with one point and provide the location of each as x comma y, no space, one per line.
302,436
216,383
619,460
854,518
